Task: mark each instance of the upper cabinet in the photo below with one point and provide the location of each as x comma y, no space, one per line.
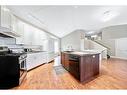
35,36
24,33
8,22
38,36
20,30
5,17
27,37
14,23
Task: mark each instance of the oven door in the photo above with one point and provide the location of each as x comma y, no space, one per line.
22,66
23,69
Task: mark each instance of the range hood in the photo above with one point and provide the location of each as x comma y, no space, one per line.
8,32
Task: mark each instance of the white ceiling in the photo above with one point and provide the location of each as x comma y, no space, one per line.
62,20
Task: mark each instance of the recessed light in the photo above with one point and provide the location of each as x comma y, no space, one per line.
108,15
76,7
106,12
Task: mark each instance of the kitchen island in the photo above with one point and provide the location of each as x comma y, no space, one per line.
84,66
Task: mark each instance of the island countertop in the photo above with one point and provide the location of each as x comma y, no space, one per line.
80,53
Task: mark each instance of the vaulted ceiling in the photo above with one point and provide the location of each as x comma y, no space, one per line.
62,20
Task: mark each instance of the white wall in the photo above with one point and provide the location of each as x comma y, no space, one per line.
121,48
116,37
73,39
114,32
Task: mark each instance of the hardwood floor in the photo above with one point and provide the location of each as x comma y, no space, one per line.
113,75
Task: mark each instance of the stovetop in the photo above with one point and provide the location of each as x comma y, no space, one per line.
12,54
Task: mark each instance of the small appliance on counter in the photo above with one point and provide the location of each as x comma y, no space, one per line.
13,68
27,50
3,49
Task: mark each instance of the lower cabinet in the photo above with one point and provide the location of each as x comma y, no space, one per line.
50,56
65,60
35,59
88,69
62,59
83,68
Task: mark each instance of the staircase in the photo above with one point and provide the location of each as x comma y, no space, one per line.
104,45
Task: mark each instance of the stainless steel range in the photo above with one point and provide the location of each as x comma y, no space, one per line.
23,67
13,68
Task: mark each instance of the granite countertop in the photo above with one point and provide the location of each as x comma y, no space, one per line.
80,53
34,52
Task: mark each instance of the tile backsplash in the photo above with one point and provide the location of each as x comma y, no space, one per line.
7,41
11,43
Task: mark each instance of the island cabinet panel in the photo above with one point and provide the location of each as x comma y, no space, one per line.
62,59
89,67
86,68
95,61
83,67
65,60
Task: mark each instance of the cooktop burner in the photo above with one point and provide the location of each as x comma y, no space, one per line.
11,54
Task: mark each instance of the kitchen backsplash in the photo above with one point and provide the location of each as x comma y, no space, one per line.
11,43
18,46
7,41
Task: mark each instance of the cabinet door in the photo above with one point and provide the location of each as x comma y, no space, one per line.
89,66
62,59
66,61
35,36
95,61
30,61
19,40
86,68
5,17
40,37
43,57
27,35
50,56
14,24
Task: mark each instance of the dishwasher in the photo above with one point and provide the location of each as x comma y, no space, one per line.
74,66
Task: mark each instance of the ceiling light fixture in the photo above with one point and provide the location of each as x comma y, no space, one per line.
76,7
90,32
108,15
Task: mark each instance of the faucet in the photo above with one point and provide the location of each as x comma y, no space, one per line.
70,47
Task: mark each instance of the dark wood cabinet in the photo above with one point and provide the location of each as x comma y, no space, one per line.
62,59
89,66
95,61
82,68
65,60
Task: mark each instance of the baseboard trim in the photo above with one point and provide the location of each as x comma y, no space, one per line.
118,57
